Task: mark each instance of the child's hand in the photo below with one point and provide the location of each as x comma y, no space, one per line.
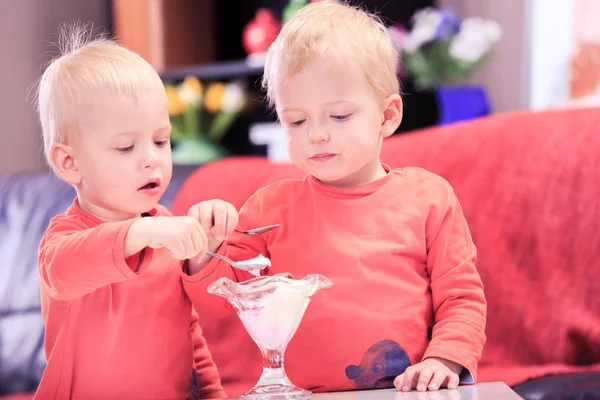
430,374
182,236
218,218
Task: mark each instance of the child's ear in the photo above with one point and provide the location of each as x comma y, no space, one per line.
63,163
392,115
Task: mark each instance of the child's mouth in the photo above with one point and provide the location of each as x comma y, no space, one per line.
150,185
322,157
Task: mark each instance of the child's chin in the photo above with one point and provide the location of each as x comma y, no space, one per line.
332,179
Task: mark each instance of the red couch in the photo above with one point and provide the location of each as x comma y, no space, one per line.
529,184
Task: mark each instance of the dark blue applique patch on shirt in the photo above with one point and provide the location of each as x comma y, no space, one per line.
380,365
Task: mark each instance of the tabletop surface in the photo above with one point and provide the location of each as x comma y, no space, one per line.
481,391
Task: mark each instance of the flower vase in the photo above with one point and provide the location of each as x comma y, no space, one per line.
195,151
461,103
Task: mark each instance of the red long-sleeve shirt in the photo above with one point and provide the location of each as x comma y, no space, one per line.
116,328
402,262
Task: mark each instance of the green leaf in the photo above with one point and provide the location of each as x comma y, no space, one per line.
190,120
221,124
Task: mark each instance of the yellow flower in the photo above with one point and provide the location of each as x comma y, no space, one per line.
214,96
175,105
190,91
234,97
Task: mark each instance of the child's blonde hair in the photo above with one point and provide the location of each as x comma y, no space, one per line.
86,62
328,27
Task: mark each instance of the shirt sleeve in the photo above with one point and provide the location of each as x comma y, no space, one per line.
208,377
74,259
456,288
239,247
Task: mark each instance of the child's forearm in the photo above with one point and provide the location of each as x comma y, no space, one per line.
196,265
66,248
135,240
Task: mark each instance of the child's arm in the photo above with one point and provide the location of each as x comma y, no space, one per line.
74,260
208,377
458,301
456,288
238,247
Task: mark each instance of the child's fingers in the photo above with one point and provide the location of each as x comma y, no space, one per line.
202,243
232,219
453,381
193,212
198,241
411,375
437,380
176,249
424,379
205,217
220,215
398,381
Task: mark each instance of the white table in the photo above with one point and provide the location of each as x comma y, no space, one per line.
481,391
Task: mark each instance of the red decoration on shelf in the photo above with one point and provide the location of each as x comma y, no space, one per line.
260,32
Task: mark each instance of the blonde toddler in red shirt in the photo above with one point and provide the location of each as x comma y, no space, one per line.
119,324
407,307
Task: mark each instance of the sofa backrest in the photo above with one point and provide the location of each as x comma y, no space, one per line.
27,203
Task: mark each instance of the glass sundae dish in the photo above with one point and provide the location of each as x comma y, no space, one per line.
271,308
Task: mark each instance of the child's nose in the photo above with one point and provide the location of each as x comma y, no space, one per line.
318,135
151,160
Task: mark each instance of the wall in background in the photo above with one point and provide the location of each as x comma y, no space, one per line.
565,67
551,42
27,28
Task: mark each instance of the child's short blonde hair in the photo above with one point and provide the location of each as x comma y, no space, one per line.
328,27
86,63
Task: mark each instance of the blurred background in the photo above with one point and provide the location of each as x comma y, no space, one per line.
535,54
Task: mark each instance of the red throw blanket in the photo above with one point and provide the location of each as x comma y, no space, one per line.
529,184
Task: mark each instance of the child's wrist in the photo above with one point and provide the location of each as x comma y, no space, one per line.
453,366
135,239
214,245
194,265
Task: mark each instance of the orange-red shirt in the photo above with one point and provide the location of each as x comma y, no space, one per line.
116,328
402,262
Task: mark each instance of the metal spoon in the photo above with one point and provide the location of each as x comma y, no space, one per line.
253,266
257,231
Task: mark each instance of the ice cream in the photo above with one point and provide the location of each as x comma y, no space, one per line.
259,260
274,317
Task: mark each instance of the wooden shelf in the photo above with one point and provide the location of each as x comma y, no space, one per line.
217,70
167,33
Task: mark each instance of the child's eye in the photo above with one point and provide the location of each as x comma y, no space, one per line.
297,123
125,149
341,117
162,143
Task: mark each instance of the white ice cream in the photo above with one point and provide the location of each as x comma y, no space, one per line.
274,319
261,260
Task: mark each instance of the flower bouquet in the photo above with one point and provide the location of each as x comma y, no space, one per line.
440,49
201,116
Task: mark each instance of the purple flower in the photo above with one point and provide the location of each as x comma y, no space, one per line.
449,24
